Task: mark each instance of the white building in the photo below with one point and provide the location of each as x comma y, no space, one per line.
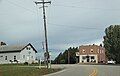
17,54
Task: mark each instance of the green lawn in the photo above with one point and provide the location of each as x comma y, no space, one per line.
20,65
13,70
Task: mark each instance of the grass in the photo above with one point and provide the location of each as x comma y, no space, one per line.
20,65
13,70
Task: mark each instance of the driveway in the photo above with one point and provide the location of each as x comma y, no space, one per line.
87,70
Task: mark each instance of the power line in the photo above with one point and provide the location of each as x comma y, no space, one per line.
75,2
45,28
69,6
70,26
15,4
78,2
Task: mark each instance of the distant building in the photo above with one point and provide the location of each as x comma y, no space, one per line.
17,54
91,54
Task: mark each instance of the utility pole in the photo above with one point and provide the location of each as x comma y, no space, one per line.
45,29
44,53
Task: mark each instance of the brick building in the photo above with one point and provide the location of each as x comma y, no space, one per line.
91,54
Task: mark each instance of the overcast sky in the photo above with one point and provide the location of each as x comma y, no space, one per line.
69,22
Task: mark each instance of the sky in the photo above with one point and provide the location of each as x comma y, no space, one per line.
69,22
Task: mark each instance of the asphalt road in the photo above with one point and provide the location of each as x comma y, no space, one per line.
87,70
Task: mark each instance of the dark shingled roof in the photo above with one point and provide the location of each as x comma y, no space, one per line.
14,48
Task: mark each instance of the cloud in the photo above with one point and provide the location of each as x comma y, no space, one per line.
69,23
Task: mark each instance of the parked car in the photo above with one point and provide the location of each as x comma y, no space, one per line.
111,62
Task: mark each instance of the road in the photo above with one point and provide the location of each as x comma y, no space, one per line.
87,70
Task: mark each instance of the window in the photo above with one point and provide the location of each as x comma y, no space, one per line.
84,57
101,51
83,51
28,48
92,57
1,56
23,56
98,50
31,56
14,57
29,52
91,50
5,57
87,57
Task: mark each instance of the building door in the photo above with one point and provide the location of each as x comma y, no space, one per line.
77,59
88,60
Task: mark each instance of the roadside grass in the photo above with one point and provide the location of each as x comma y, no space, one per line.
13,70
21,65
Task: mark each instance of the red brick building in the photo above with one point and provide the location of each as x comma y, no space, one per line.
91,54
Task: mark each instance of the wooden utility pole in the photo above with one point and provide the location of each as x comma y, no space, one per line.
45,29
44,53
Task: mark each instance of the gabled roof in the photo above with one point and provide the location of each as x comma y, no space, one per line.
31,46
14,48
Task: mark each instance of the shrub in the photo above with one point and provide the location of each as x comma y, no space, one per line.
26,63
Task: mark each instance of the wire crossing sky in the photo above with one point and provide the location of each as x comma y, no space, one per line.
69,22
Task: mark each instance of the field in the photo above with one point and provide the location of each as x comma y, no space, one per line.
18,70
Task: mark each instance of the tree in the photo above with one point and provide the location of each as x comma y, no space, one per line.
58,59
112,42
63,58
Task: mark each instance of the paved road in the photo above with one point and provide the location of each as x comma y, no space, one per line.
86,70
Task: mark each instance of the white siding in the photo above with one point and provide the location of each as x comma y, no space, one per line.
10,56
27,55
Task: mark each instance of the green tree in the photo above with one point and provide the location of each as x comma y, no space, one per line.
58,59
63,58
112,42
72,56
